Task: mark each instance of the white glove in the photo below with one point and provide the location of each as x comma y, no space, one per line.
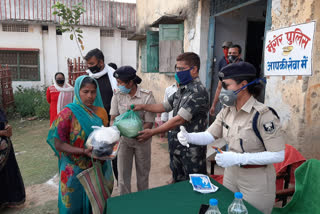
227,159
183,136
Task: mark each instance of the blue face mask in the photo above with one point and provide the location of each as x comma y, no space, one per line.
184,77
123,89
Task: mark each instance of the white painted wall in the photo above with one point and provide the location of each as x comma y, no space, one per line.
31,39
111,48
67,48
50,54
56,49
119,50
128,53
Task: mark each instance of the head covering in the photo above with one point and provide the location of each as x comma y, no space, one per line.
127,73
86,117
66,93
240,69
226,44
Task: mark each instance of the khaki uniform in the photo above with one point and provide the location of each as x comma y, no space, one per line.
256,184
129,148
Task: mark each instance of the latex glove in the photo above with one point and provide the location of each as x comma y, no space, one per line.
183,136
227,159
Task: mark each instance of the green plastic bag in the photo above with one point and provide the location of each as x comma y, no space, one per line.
129,124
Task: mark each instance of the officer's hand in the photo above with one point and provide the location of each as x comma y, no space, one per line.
145,135
183,136
138,107
227,159
211,111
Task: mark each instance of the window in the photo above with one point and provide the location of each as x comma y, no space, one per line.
125,34
15,27
107,33
170,46
24,65
162,48
152,51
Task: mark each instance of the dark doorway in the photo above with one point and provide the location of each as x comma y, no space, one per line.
254,44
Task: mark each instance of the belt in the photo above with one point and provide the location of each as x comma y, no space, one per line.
252,166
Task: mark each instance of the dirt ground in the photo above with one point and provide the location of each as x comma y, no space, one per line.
45,195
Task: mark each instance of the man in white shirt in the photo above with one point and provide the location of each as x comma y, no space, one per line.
165,116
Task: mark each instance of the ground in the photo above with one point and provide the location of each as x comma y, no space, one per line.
38,166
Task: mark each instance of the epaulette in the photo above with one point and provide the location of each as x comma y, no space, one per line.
145,91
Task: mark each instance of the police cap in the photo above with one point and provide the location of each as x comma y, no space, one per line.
125,73
240,69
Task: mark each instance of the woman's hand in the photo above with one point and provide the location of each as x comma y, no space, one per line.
87,152
7,132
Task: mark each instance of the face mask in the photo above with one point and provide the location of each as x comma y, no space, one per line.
60,82
232,58
184,77
228,97
95,69
123,89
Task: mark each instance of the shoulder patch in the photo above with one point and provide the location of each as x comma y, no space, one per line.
261,108
269,127
145,91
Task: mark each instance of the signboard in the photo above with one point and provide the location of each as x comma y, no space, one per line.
288,51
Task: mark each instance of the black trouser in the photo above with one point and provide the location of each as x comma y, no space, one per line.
115,168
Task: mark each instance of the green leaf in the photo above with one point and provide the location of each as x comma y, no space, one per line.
71,36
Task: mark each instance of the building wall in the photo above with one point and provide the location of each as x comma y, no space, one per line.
297,101
56,49
119,50
196,26
67,48
31,39
232,27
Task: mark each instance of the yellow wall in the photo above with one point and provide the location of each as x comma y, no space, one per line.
298,101
149,11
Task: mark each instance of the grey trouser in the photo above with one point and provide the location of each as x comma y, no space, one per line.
142,155
258,185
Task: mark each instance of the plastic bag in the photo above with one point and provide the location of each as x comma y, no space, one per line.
105,142
129,124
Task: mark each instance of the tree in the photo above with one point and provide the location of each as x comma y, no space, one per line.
70,20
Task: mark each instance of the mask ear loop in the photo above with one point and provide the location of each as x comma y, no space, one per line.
256,81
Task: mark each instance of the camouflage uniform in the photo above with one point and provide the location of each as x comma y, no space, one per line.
191,102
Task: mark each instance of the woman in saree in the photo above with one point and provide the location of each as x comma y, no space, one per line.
12,191
67,137
58,95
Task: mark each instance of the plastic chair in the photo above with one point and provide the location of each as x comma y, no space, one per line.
307,190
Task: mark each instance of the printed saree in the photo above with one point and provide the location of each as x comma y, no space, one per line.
73,126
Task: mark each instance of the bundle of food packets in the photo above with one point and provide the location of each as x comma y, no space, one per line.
201,183
104,141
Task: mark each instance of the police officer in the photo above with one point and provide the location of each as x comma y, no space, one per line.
130,93
190,105
249,162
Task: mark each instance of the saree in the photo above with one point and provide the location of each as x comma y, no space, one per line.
12,190
73,126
